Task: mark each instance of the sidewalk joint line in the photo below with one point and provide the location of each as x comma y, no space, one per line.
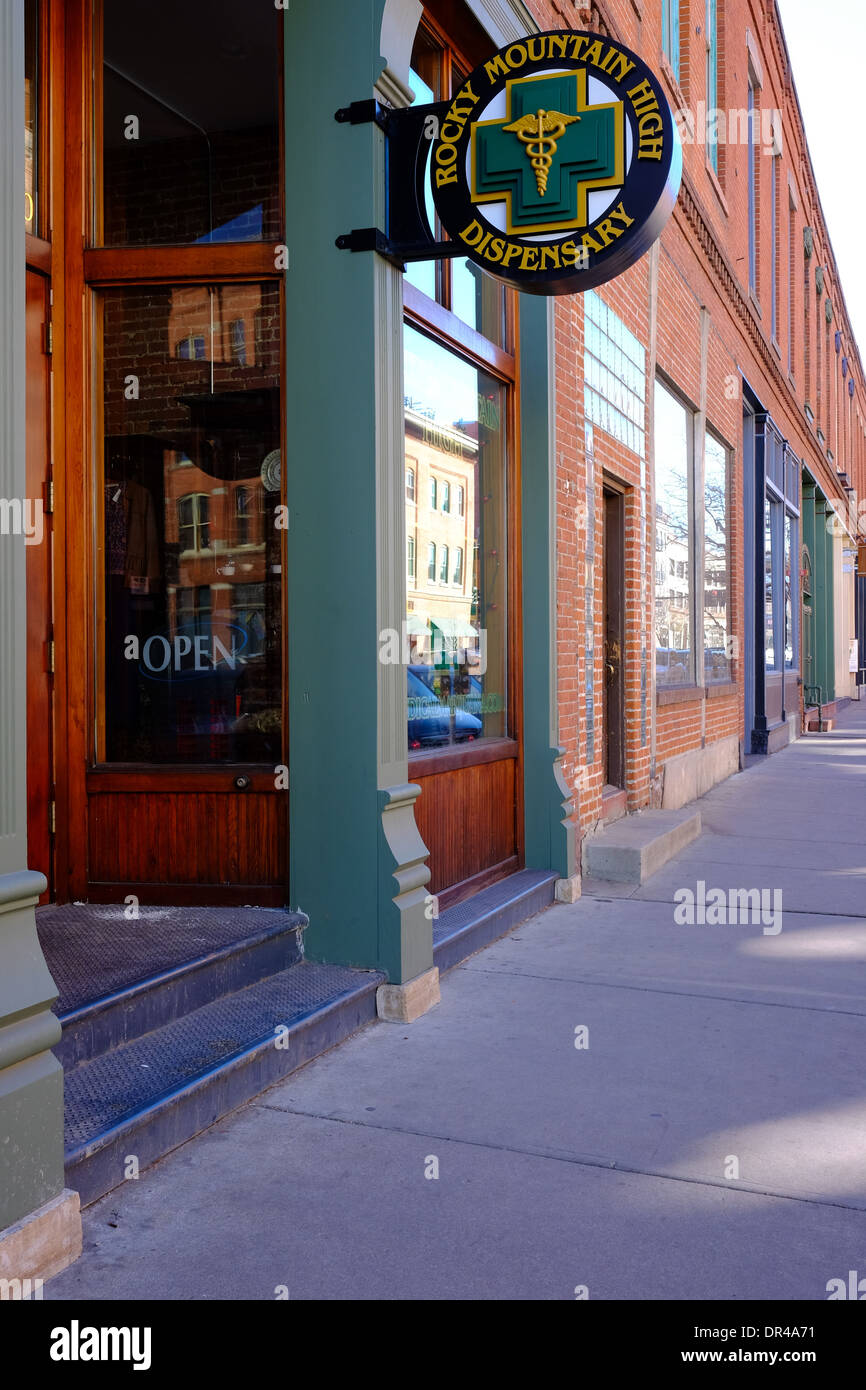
610,1165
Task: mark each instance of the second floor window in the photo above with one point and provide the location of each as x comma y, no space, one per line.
410,484
671,34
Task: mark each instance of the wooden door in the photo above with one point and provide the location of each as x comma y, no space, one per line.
39,600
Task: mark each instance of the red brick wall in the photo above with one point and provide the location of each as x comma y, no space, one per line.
703,263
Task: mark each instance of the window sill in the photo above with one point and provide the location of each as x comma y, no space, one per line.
678,694
425,762
672,80
717,188
718,690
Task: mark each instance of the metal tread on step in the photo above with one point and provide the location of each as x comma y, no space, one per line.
121,1015
471,925
95,950
143,1099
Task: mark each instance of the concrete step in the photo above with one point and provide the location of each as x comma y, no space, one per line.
143,1099
634,848
467,927
162,966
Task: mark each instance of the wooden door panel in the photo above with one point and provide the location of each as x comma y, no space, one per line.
467,820
230,846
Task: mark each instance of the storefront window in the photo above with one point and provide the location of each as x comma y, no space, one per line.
457,615
191,659
473,296
716,574
772,511
673,429
790,550
189,141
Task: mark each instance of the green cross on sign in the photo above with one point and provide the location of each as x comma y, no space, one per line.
550,150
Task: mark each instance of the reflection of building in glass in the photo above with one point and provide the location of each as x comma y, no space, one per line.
185,449
441,529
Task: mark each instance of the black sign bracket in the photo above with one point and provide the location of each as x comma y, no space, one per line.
409,135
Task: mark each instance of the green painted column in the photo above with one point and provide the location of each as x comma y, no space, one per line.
823,601
830,609
549,838
357,862
31,1080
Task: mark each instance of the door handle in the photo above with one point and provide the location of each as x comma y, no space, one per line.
242,783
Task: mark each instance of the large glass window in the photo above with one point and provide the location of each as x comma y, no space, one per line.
190,548
456,424
189,139
772,574
473,296
790,550
673,466
716,570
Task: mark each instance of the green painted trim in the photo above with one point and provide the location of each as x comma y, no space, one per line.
549,840
356,858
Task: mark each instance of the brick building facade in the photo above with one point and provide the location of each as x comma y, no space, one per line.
739,300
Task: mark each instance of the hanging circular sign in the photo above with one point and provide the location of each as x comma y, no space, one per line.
558,163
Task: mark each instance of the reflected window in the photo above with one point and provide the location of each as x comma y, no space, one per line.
410,557
446,497
673,464
410,484
189,137
192,521
242,515
434,494
190,649
458,624
461,501
238,333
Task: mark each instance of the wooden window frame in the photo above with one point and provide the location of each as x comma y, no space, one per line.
79,275
435,319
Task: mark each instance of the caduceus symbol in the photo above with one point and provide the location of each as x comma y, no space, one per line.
540,133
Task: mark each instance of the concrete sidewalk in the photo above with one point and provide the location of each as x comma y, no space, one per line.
713,1050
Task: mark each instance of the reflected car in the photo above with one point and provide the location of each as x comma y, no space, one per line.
431,723
468,699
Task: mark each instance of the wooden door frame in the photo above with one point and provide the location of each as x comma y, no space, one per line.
615,492
80,269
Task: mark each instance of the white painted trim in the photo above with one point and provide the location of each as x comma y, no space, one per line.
504,20
400,22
